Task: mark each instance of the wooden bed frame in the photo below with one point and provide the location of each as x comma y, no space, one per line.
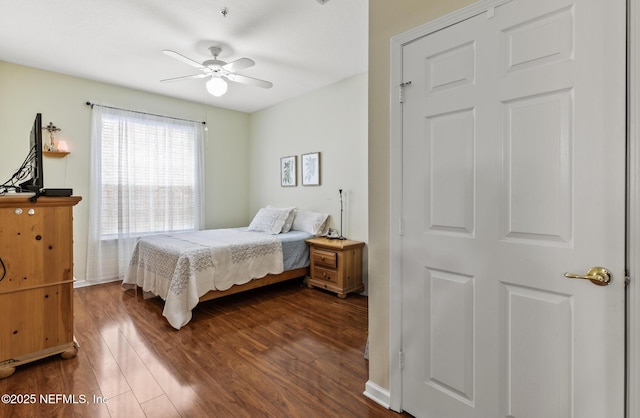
256,283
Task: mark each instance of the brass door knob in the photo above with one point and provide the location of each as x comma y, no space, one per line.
598,275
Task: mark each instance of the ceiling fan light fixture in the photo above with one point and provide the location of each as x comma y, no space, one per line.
218,72
217,86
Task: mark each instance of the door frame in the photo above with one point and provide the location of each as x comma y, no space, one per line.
393,398
633,208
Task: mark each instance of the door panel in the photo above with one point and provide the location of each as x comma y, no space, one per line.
451,362
537,140
513,174
450,143
538,333
441,168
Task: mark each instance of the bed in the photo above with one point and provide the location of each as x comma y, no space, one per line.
190,267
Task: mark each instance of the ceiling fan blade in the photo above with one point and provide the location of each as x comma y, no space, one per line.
184,77
250,80
182,58
239,64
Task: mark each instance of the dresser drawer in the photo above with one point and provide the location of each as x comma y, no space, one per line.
326,258
325,274
35,319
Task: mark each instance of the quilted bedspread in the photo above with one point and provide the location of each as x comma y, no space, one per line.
182,267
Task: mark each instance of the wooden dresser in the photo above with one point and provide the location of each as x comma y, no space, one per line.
36,279
336,265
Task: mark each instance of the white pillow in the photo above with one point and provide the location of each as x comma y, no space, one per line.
268,220
290,215
311,222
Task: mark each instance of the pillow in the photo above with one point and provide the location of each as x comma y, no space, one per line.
291,213
311,222
268,220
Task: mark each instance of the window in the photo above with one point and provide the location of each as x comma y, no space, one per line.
149,177
146,179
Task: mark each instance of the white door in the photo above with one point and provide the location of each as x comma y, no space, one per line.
513,174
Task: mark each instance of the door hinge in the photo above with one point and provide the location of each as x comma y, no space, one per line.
401,226
627,279
401,360
401,90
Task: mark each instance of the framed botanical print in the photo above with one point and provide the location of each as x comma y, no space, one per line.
288,171
310,169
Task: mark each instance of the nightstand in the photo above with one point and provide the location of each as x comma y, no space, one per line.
336,265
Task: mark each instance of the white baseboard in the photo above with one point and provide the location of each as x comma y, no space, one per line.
377,394
85,283
81,283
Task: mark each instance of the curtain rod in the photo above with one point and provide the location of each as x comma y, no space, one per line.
144,113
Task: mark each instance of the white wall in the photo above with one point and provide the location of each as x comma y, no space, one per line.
61,99
332,121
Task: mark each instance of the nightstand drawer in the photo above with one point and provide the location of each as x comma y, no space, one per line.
325,274
326,258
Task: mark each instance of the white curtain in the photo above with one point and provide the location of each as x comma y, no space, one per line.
146,178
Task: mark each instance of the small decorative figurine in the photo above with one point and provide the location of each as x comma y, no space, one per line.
52,129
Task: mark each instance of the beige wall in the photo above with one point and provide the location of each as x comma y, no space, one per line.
61,99
386,20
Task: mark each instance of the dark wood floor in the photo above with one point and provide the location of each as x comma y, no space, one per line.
281,351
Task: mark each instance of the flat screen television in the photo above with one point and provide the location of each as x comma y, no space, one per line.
35,182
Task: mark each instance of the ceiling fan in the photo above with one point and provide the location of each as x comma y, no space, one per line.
218,71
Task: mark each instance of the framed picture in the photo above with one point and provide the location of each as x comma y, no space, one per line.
310,169
288,171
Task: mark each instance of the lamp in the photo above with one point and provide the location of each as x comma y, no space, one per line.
62,146
216,86
333,234
341,211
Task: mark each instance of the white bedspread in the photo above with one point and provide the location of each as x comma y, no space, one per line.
184,266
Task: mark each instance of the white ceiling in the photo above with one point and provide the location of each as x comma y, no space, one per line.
299,45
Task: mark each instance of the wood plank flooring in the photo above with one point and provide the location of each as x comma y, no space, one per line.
280,351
